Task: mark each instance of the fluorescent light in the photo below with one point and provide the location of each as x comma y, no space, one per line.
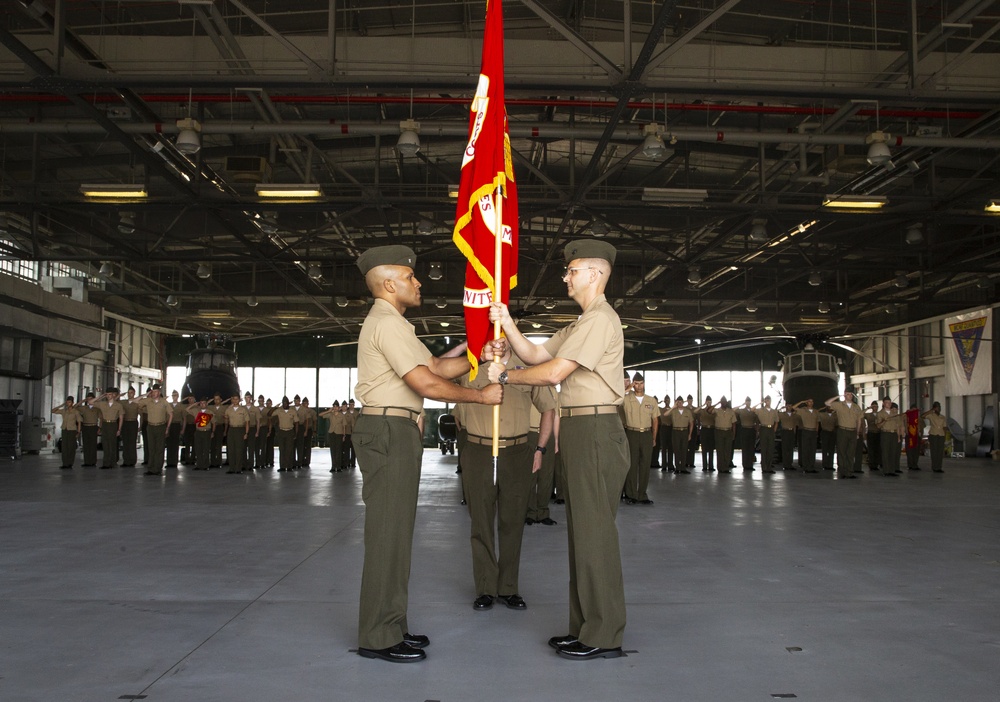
288,190
993,207
291,314
855,202
674,195
113,191
453,191
214,313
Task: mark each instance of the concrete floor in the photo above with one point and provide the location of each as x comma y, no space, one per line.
207,586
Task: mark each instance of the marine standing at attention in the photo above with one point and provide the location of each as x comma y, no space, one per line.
71,421
586,358
395,373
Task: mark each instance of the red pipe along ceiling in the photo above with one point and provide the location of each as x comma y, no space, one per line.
548,102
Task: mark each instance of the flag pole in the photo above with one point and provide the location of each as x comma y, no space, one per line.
497,270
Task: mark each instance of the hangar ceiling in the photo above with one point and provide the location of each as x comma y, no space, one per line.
765,109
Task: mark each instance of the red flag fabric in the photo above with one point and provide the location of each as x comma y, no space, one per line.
486,173
912,429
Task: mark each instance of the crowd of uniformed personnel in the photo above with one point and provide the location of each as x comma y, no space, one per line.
193,432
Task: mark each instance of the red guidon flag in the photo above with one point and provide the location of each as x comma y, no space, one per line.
487,173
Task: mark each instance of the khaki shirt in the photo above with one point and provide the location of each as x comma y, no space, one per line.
287,418
388,349
788,421
515,410
350,419
679,418
89,414
807,418
110,411
848,416
203,419
706,416
871,418
767,416
747,417
938,424
725,419
307,418
71,418
534,416
640,414
218,414
595,341
179,410
131,409
157,411
827,421
237,416
337,422
893,423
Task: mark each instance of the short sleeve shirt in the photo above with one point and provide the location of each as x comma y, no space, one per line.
639,414
388,349
71,419
848,416
767,416
595,341
515,410
543,399
157,411
788,421
705,417
725,419
938,424
110,411
807,418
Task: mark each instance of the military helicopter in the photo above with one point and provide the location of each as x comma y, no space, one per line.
211,370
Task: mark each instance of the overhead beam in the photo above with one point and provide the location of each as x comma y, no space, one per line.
574,38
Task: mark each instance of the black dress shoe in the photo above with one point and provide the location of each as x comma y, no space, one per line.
725,472
579,651
514,601
684,471
560,501
416,640
65,467
400,653
560,641
549,521
629,501
890,475
647,501
152,472
483,603
529,521
937,470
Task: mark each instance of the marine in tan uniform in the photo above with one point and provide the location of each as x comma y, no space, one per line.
542,480
307,422
892,428
747,434
175,429
872,436
586,359
850,427
159,414
499,504
285,433
935,435
807,419
218,407
350,420
725,434
642,421
72,420
395,372
237,428
680,418
828,437
89,429
335,436
204,426
250,450
130,428
788,424
706,420
767,421
111,426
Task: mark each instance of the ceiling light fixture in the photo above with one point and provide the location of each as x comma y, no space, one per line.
188,138
651,305
878,148
340,301
674,196
172,301
287,191
252,301
126,223
914,235
751,306
824,307
314,272
758,232
901,281
855,202
598,228
694,275
436,271
815,279
204,271
425,227
993,207
441,303
114,191
409,139
653,146
549,304
106,270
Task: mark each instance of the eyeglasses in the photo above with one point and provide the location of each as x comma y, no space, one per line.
570,271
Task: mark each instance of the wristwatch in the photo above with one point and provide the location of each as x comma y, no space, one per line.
541,449
502,378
